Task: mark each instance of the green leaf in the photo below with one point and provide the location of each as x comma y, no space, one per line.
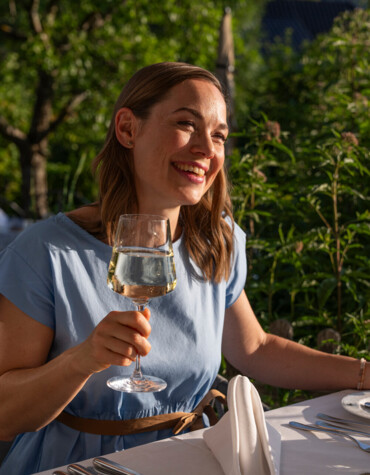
325,290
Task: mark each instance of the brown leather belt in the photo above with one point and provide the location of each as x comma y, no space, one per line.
177,421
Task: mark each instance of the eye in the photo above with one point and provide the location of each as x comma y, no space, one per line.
220,137
186,124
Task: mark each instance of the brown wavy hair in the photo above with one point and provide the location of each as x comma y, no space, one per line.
207,235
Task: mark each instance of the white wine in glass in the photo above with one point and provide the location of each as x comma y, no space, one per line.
142,267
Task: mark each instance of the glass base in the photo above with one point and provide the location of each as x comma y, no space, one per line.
149,384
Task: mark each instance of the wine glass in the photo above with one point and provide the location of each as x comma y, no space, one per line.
142,267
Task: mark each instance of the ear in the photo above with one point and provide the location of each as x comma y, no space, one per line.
126,125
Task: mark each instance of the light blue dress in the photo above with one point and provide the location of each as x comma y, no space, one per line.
57,274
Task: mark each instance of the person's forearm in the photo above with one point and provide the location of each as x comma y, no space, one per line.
283,363
31,398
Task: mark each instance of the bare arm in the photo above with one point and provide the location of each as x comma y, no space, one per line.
274,360
40,390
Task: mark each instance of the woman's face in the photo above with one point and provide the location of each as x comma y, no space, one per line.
179,149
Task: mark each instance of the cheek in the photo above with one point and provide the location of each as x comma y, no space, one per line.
217,164
211,179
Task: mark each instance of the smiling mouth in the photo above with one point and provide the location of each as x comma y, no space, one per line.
190,168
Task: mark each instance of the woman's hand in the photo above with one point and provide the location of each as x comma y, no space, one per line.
116,340
26,376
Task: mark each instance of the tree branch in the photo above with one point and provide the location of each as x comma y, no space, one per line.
97,20
35,22
12,8
35,17
52,10
93,20
90,23
11,133
65,112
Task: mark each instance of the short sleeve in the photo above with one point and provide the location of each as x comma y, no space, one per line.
238,275
24,281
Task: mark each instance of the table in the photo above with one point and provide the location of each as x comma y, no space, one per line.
303,453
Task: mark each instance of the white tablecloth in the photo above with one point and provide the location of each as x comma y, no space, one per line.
303,453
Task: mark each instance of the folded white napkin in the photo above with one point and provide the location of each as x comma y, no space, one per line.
240,440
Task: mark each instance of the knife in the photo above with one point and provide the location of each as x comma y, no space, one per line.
340,427
109,467
338,420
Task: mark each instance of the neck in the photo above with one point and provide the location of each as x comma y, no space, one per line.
172,214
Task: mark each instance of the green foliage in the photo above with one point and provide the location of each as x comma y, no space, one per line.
307,226
303,196
323,87
88,51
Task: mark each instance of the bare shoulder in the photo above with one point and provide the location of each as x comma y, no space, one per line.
24,342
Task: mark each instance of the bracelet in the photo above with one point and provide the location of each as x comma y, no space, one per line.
361,376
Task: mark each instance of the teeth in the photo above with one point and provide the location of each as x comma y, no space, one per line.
190,168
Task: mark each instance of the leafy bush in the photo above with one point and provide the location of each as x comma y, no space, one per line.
303,196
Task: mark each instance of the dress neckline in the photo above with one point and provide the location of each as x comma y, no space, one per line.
69,222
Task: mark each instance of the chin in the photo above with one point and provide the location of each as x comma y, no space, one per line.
191,201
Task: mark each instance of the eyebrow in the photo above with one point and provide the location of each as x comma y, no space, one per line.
196,114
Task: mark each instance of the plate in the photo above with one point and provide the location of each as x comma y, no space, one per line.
353,403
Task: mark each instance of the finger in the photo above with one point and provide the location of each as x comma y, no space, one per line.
94,358
133,319
121,348
111,334
140,322
137,321
118,359
146,313
129,338
133,338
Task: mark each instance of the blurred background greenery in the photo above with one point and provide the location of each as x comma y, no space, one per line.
298,157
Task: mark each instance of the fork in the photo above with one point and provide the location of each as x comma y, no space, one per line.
104,465
77,469
361,445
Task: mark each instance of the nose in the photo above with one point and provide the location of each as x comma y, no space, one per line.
203,146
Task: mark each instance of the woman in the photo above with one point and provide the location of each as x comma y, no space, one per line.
63,333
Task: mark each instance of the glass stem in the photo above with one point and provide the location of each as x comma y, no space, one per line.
137,375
